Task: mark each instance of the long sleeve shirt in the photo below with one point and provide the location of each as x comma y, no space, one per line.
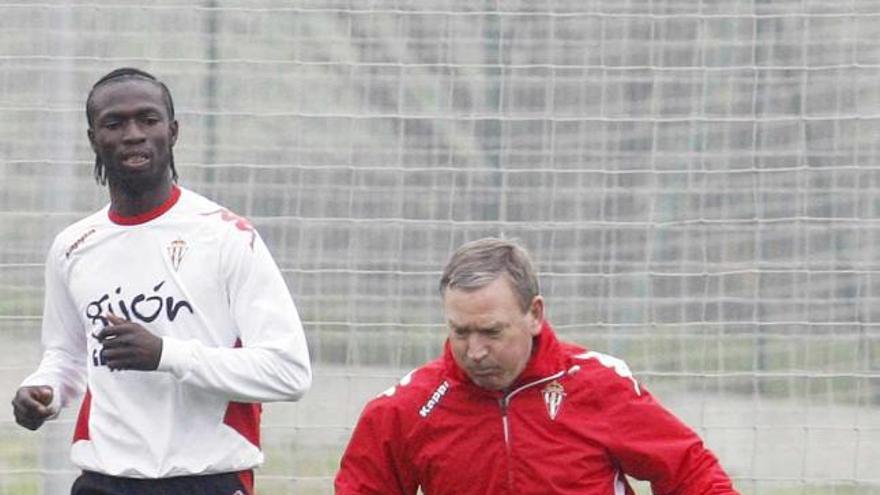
200,278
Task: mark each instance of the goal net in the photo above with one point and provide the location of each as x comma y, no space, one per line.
696,180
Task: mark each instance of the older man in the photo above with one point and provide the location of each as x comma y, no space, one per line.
509,409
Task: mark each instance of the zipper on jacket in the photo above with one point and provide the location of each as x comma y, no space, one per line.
504,404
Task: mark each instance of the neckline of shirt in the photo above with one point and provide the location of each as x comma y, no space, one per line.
147,215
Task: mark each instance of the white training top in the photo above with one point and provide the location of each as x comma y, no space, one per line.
202,279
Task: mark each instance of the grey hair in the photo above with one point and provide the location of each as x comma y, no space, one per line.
477,264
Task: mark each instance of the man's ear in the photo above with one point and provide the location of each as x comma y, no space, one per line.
536,313
91,133
174,129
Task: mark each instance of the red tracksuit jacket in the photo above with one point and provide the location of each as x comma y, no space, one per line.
573,423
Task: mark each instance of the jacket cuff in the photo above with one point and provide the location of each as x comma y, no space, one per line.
176,357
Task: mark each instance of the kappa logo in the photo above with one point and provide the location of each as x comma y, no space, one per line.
79,242
434,400
176,250
240,223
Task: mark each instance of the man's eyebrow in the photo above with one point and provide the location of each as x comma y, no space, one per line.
459,328
145,109
472,328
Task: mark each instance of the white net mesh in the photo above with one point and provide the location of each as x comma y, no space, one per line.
697,182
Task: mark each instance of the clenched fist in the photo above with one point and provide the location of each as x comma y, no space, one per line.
31,406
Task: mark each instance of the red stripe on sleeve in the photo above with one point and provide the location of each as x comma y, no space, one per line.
81,431
247,480
244,417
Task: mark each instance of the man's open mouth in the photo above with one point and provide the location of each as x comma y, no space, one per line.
135,160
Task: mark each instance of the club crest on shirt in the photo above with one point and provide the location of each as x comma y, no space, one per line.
553,395
176,250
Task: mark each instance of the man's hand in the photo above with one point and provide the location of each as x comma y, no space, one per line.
31,406
129,346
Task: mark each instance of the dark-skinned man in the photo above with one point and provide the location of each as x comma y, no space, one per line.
167,311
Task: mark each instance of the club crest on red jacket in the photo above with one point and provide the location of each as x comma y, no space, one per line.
553,395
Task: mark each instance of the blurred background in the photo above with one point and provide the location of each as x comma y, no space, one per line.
698,183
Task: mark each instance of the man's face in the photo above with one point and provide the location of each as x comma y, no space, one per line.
490,336
132,132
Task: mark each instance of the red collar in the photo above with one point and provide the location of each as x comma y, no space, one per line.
149,215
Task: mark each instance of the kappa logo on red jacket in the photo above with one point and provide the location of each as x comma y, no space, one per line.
434,400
